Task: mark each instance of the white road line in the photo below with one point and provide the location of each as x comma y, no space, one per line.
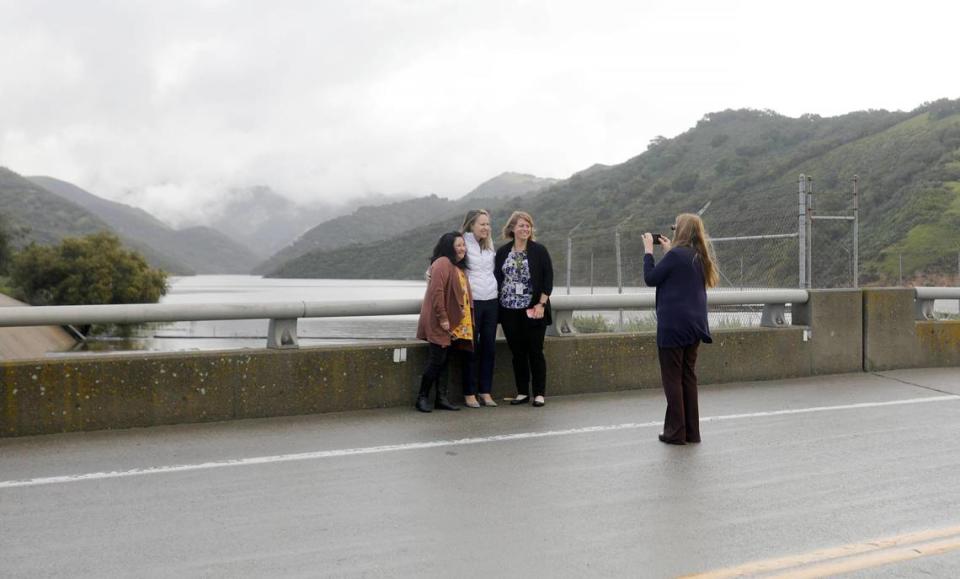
438,444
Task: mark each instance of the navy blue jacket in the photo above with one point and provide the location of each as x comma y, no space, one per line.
681,298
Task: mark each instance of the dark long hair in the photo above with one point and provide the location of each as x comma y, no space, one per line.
444,248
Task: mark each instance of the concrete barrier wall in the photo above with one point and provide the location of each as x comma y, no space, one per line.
894,339
830,335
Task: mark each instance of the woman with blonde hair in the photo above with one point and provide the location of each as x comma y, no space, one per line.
682,277
477,234
525,278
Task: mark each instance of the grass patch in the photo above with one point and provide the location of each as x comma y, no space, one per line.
592,324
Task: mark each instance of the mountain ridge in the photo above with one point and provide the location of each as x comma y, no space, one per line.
746,163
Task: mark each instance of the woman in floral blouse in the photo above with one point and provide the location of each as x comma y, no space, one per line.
525,278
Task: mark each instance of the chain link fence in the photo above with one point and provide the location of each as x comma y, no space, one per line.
753,251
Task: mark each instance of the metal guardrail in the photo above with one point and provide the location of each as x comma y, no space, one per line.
283,316
774,303
926,296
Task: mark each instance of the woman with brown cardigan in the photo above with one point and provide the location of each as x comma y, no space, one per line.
445,319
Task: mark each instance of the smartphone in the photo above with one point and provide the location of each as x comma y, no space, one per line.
657,238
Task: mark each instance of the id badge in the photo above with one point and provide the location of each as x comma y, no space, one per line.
518,288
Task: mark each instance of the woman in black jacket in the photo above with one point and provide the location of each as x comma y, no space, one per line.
525,280
682,277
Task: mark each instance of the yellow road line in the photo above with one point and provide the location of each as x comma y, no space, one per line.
877,559
821,555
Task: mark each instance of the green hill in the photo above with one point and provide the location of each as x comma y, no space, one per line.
745,163
375,223
506,185
196,249
37,215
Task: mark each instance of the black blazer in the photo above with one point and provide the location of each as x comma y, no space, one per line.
541,274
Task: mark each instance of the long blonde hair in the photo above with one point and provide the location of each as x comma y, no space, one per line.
470,218
507,232
693,234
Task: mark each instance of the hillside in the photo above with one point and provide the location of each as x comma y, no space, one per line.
195,249
366,224
506,185
746,164
37,215
374,223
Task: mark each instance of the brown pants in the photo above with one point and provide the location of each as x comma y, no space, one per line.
679,377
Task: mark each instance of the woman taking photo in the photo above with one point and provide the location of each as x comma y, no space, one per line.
525,277
682,277
483,288
445,319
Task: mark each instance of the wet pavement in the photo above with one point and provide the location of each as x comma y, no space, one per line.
579,488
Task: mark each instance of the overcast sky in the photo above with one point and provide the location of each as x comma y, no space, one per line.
169,103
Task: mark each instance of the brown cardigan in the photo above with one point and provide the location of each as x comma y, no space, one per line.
443,301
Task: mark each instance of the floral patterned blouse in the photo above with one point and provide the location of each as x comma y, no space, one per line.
517,290
464,331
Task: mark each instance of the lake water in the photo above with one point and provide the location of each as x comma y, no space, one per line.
226,334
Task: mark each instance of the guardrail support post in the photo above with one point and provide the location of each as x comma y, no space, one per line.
562,324
925,309
774,316
282,334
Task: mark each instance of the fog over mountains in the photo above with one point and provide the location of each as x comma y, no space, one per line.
251,224
743,162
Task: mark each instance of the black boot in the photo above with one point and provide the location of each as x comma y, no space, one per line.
423,397
442,403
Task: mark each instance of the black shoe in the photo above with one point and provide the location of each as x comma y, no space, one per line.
523,400
442,403
666,440
538,403
423,404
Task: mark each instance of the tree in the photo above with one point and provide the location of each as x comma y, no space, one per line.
95,269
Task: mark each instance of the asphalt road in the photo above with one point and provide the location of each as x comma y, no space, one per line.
814,471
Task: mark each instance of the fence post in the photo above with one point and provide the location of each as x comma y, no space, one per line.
570,253
591,273
619,278
856,232
809,221
802,233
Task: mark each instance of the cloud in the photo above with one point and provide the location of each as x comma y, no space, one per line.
172,104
